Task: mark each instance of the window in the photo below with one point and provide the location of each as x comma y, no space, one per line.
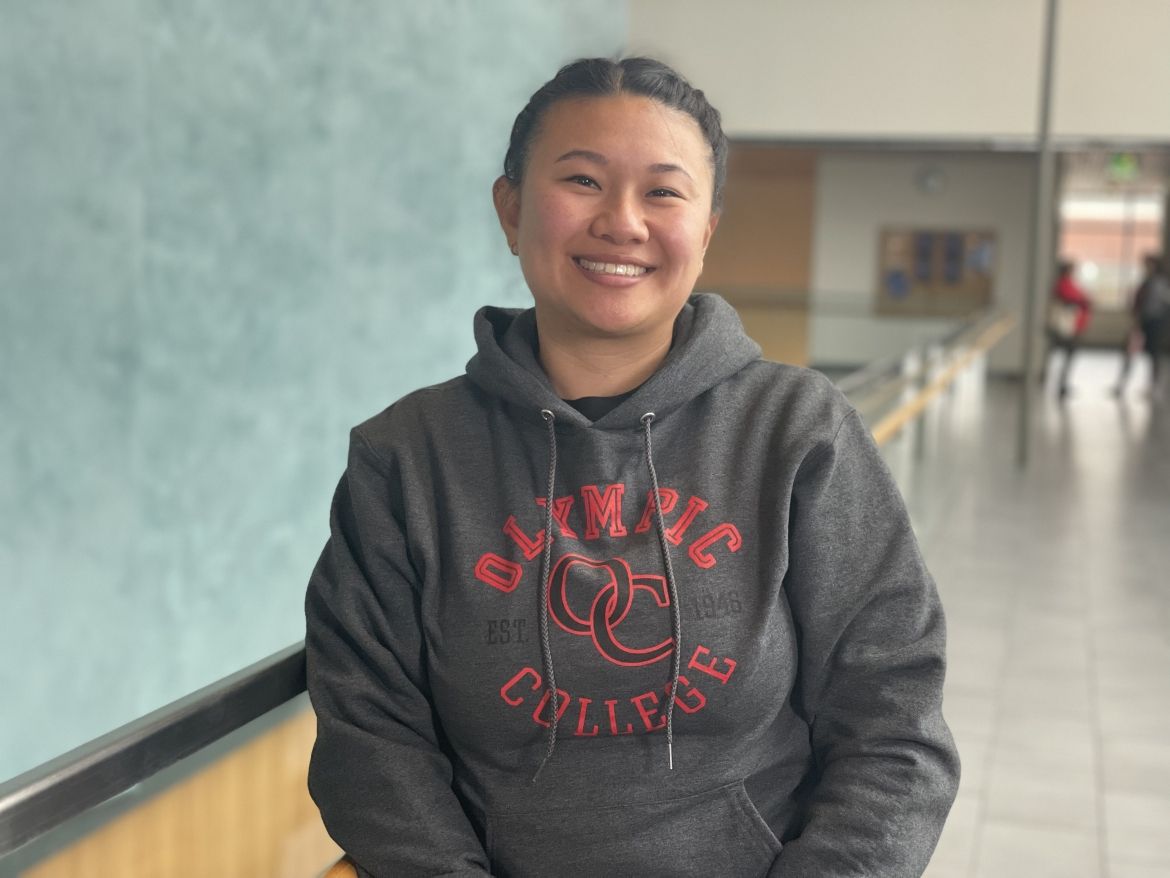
1106,234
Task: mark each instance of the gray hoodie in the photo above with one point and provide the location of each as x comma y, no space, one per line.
776,592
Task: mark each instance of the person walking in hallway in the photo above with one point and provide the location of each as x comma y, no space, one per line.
1151,312
1068,318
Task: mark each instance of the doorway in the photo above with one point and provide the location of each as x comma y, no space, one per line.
1111,214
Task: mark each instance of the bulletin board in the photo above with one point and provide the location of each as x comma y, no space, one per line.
934,272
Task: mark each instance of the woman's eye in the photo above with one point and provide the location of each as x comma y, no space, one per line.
664,193
583,180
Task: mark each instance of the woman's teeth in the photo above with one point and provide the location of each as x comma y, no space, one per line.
612,268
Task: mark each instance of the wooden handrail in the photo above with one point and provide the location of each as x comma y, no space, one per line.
889,426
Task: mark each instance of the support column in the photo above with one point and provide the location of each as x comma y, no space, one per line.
1039,264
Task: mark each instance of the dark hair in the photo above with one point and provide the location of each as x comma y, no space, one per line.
603,77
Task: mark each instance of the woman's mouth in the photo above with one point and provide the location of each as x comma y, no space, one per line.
620,269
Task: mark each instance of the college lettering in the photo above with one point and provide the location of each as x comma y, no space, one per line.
588,718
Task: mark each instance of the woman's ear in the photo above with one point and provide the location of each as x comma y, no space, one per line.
506,198
712,223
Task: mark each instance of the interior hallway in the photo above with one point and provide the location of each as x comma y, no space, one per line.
1056,583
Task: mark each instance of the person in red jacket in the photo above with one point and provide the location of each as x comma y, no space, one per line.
1069,314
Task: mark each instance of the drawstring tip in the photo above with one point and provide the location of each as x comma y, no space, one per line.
539,769
670,754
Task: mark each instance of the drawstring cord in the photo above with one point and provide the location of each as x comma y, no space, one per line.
675,615
542,592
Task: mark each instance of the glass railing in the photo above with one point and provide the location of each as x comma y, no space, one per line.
835,331
892,391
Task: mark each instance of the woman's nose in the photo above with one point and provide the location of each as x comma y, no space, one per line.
621,220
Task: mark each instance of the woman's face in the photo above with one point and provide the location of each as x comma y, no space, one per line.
613,216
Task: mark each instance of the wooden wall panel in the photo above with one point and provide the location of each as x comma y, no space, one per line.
247,815
764,238
782,333
760,259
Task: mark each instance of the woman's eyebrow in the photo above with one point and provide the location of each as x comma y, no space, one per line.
587,154
598,159
666,168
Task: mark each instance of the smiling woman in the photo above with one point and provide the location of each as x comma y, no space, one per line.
497,654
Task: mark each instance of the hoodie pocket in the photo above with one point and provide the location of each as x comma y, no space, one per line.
718,832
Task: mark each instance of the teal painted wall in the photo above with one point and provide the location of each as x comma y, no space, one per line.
228,232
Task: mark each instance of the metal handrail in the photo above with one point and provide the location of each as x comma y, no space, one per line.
45,797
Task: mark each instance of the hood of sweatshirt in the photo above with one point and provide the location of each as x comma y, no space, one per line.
709,347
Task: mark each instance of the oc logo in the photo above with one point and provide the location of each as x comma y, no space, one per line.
599,617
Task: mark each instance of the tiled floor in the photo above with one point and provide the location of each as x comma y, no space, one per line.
1056,581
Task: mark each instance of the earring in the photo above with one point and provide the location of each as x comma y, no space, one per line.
515,248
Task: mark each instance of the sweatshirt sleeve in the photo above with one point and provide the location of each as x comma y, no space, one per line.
871,666
378,773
